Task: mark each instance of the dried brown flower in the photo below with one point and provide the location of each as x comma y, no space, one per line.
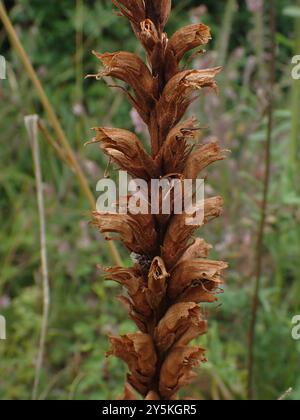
177,369
137,232
179,234
126,150
157,283
193,272
137,350
172,274
181,324
183,41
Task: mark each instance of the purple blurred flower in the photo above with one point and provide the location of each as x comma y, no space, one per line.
4,302
239,53
139,125
78,109
249,69
255,6
198,12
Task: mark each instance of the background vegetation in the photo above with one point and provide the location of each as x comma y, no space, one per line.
58,37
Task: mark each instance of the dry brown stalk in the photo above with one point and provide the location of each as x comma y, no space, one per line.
172,273
265,203
31,122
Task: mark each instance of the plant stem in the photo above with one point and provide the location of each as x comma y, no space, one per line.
61,137
224,36
32,129
262,225
78,97
285,395
294,139
259,44
51,141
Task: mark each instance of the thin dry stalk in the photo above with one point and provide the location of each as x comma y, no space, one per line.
51,141
264,208
31,123
53,119
286,394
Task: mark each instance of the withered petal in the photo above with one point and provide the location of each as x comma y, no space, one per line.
155,44
128,394
177,95
182,323
136,232
152,396
193,272
199,294
177,370
132,279
184,40
178,236
175,151
157,283
139,319
137,350
188,38
149,35
138,10
126,150
158,11
130,69
133,10
203,157
198,249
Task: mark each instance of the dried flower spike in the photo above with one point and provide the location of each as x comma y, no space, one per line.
172,273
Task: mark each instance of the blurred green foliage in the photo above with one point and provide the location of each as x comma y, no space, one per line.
59,36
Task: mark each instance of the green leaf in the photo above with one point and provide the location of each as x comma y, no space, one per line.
292,11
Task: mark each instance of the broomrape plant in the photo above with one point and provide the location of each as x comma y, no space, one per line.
172,274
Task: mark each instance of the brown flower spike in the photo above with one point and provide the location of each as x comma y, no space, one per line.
172,273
